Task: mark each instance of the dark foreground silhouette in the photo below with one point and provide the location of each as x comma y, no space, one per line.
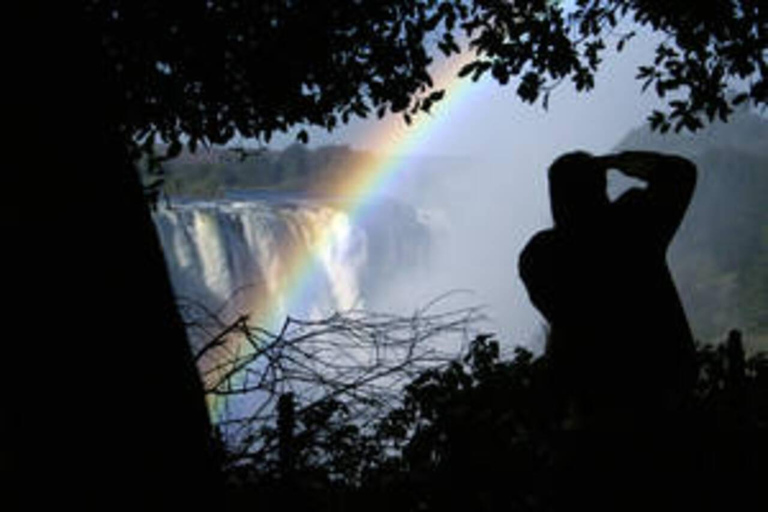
622,412
484,434
620,349
600,278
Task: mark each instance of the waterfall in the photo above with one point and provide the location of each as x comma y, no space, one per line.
224,255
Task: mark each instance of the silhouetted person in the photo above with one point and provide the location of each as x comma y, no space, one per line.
619,339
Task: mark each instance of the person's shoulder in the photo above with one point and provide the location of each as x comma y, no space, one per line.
542,239
541,243
545,236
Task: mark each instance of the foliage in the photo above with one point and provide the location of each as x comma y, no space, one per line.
708,45
212,69
295,168
482,433
450,432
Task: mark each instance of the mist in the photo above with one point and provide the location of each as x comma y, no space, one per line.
480,179
477,178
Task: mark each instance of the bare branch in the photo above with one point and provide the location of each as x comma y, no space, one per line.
358,358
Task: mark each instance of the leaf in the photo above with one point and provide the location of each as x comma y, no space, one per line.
331,123
399,104
644,72
174,149
467,69
476,69
658,120
724,111
528,90
437,95
500,73
646,84
739,99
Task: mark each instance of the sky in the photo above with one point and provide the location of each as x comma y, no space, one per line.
492,121
489,153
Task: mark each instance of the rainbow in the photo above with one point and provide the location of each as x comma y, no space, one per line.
361,183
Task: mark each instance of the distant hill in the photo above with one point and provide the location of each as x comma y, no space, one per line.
744,133
208,173
720,255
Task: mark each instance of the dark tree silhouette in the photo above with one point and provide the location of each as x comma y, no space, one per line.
212,69
105,390
484,432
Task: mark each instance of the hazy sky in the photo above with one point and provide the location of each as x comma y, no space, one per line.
490,120
493,192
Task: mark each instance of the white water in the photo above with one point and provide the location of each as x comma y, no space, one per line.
223,255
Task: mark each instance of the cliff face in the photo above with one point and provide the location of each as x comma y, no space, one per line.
270,258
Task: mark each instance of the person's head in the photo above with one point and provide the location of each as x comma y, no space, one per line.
577,189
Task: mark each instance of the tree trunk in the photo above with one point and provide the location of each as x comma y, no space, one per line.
106,407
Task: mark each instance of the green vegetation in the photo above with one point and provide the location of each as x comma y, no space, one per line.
208,174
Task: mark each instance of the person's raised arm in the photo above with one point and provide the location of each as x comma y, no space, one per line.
671,180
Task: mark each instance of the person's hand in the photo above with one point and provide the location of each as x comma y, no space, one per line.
638,164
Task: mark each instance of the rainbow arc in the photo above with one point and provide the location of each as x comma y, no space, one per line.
364,181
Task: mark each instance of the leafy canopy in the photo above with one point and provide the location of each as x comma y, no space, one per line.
209,69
